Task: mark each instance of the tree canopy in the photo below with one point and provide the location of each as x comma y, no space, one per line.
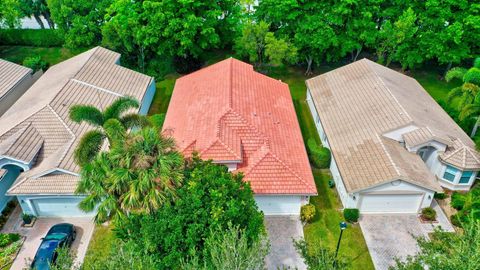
211,198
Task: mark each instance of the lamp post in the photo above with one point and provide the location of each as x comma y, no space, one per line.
343,226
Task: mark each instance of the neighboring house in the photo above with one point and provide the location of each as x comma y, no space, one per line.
37,136
14,81
392,145
235,116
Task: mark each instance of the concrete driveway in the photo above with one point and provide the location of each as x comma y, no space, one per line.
33,236
281,232
390,236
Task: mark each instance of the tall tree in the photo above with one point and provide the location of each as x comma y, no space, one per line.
80,20
37,8
10,13
210,198
261,46
137,175
92,141
468,94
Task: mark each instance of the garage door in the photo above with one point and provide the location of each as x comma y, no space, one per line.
58,207
390,203
279,205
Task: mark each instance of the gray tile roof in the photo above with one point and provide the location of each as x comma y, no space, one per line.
10,75
360,102
93,77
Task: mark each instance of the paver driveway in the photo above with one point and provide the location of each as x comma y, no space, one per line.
281,232
33,236
390,236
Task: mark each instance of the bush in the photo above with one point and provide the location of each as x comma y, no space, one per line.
456,220
8,238
31,37
35,63
307,212
351,214
458,200
210,198
320,156
440,195
428,213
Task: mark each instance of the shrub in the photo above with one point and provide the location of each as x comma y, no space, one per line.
331,183
35,63
210,198
458,200
429,213
440,195
307,212
320,156
456,220
351,214
31,37
8,238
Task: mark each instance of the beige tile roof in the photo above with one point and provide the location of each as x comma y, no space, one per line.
10,75
92,78
423,135
461,156
360,102
24,145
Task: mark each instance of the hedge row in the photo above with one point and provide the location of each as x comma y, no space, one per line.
31,37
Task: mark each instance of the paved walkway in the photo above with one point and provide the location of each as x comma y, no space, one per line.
393,236
281,231
33,236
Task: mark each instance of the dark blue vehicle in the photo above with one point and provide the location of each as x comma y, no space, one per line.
60,235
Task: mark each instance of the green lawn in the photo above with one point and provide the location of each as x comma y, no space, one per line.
324,229
99,246
163,94
51,55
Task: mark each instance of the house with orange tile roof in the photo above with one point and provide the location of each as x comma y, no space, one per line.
235,116
392,145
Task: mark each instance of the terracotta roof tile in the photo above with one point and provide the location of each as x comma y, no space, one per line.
229,112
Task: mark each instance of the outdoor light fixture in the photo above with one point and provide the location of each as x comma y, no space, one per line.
354,198
429,197
343,226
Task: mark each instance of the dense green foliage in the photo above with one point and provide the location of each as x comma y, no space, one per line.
8,238
319,155
351,214
31,37
145,29
35,63
467,204
37,8
307,212
139,174
80,21
10,13
260,45
446,251
211,198
319,258
230,249
111,124
410,32
467,94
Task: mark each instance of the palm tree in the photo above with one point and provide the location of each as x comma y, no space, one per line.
468,93
92,141
137,176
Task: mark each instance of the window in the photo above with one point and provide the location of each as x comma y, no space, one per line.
465,178
450,173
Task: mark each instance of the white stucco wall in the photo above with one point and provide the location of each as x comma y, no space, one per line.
399,187
455,185
316,119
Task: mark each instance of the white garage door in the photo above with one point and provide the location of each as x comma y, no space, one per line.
390,203
58,207
279,205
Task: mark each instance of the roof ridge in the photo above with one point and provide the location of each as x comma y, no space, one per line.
389,155
68,130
